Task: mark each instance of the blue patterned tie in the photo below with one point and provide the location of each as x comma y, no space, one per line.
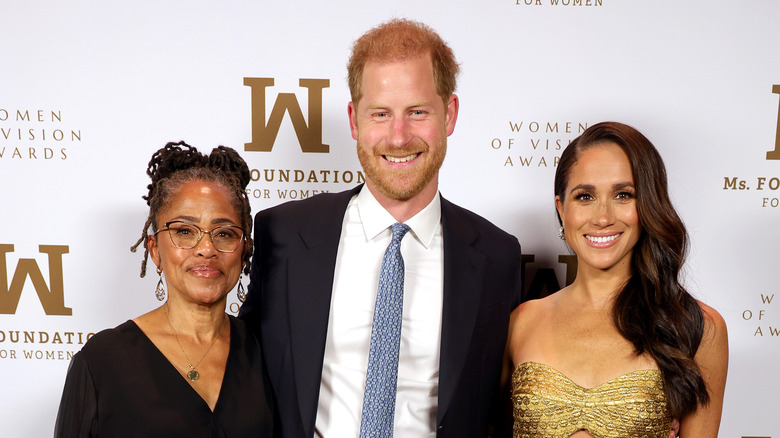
382,374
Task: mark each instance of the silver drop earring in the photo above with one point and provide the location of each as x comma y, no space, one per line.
241,292
160,291
561,234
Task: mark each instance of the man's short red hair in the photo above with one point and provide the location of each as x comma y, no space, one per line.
399,40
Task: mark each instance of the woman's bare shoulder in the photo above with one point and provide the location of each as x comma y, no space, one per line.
529,316
532,309
715,331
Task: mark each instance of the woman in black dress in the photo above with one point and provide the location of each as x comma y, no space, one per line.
185,368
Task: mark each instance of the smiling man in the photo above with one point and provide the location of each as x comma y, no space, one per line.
384,310
401,126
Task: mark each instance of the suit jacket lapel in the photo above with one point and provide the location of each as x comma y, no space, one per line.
463,280
310,280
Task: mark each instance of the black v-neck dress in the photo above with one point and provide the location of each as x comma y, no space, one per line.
121,385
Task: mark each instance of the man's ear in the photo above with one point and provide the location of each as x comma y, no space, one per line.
352,113
453,104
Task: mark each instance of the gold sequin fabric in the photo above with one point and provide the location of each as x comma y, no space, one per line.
547,404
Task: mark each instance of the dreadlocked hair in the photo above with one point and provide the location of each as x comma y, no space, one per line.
653,310
178,163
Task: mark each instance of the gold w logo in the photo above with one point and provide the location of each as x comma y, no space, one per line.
52,297
264,134
775,154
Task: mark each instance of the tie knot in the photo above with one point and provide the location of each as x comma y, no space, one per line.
399,231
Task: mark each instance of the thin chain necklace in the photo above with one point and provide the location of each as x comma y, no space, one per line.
193,374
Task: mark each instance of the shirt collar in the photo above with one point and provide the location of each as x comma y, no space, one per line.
375,219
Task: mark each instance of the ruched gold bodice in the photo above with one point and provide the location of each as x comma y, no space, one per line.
548,404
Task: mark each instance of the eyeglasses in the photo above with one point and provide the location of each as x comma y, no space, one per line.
186,235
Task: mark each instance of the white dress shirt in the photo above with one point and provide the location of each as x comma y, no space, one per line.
365,235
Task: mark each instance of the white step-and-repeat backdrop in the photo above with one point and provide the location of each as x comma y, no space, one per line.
88,90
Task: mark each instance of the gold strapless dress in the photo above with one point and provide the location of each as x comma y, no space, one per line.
548,404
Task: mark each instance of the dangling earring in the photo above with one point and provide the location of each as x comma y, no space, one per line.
241,292
160,291
561,234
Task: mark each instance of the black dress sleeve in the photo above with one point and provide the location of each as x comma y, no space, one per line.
77,416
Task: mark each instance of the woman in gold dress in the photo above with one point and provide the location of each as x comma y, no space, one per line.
625,350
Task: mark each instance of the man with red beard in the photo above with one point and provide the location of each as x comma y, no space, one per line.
317,296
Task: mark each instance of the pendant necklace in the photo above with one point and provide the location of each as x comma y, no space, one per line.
192,374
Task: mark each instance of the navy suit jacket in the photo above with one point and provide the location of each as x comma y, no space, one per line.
288,306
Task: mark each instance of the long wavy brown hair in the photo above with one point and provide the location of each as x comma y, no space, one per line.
653,310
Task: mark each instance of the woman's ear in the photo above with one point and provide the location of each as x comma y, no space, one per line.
154,249
559,207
